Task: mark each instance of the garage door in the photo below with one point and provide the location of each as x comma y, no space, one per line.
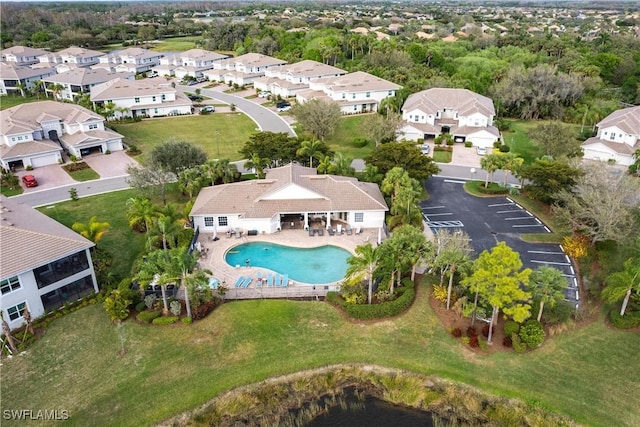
114,146
50,159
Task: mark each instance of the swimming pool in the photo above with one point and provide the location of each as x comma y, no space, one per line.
324,264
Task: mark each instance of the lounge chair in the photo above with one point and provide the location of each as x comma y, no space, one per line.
239,282
358,230
331,231
349,230
285,280
247,282
279,280
312,232
339,228
269,279
320,232
259,279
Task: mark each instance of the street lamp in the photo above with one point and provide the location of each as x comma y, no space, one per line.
473,172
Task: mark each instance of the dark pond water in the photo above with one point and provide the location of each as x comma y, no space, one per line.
372,412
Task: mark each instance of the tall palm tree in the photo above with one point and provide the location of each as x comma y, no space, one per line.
220,169
258,164
309,148
622,283
364,262
190,181
141,212
94,230
453,253
547,284
342,165
181,264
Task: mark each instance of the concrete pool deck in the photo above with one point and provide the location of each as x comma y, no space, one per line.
213,259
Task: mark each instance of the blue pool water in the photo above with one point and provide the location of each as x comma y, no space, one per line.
324,264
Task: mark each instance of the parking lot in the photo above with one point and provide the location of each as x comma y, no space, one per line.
488,220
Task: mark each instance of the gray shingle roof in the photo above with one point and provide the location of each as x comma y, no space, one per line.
464,101
28,117
627,119
29,239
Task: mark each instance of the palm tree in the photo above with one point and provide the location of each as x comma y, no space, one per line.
258,164
169,225
371,173
547,284
490,164
182,264
622,283
220,169
190,181
56,88
511,163
21,86
325,165
141,212
309,148
124,111
364,262
453,253
94,230
342,165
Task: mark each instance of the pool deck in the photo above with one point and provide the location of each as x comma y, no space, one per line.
213,259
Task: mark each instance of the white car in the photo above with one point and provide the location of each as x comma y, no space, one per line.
425,149
264,94
482,151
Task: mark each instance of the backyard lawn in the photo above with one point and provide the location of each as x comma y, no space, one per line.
341,140
76,365
219,135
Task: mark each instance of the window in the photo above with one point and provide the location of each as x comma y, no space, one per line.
368,94
390,93
359,217
9,285
155,111
344,95
93,126
153,98
223,221
208,221
137,100
164,97
353,95
16,311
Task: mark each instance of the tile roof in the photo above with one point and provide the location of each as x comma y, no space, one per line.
30,116
86,76
22,51
627,119
12,71
464,101
90,137
308,68
252,60
357,82
120,88
618,147
28,148
262,198
29,239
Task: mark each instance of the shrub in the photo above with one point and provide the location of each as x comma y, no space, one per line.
468,144
175,308
147,316
29,168
472,332
473,341
560,313
483,345
485,330
497,144
532,334
405,296
518,345
360,142
203,309
150,301
456,332
141,306
440,293
165,320
187,320
493,188
506,341
511,327
631,319
107,152
117,305
504,148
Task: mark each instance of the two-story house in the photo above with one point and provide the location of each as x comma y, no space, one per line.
357,92
17,79
189,63
140,98
68,85
21,55
465,115
617,139
242,70
36,134
71,57
132,60
287,80
45,265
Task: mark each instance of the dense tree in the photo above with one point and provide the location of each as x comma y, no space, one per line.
499,280
152,181
405,155
320,118
140,213
490,163
547,285
548,176
379,128
402,251
191,181
556,139
219,170
175,156
371,173
620,284
279,147
601,205
341,165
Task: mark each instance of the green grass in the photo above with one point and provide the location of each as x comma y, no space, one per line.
341,140
11,191
584,373
519,142
84,175
219,135
177,44
8,101
442,156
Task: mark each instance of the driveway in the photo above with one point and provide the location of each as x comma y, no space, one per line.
111,165
489,220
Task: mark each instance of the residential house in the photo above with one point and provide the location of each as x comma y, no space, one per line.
464,114
71,57
140,98
242,70
45,265
617,139
21,55
357,92
17,79
287,80
190,63
133,60
36,134
289,194
71,84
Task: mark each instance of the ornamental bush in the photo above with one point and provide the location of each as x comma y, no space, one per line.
631,319
147,316
472,332
405,296
165,320
511,327
518,345
456,332
532,333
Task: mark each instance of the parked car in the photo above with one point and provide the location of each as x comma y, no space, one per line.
264,94
29,181
425,149
482,151
208,109
283,106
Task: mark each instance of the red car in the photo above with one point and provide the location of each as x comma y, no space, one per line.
29,181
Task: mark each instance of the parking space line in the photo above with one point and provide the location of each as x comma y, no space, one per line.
455,182
499,204
517,218
439,214
511,210
509,200
572,270
547,228
546,252
532,225
567,258
433,207
549,262
529,213
538,221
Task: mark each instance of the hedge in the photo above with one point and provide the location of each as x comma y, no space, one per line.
165,320
375,311
631,319
147,316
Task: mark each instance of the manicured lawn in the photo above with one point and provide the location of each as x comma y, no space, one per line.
442,156
341,140
76,365
219,135
8,101
176,44
519,142
84,175
11,191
